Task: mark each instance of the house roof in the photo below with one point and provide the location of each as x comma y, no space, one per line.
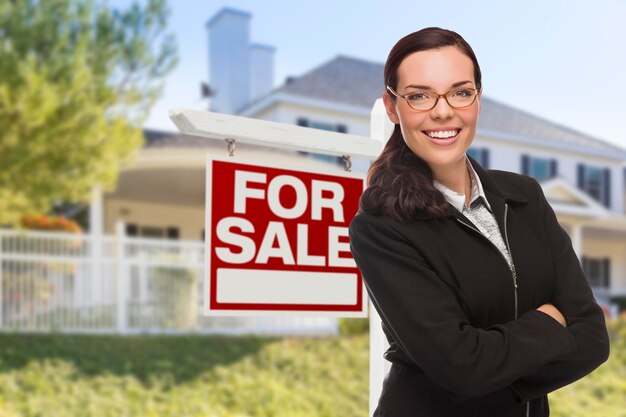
357,82
342,80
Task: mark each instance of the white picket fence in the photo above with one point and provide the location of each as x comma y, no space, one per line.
117,284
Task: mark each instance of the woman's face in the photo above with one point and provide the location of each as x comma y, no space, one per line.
442,135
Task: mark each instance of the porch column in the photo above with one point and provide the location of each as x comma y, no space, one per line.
576,235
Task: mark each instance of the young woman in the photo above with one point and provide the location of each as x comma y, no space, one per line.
481,295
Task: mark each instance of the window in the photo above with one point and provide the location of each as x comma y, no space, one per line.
597,271
131,230
480,155
304,122
172,233
341,128
539,168
149,231
596,182
152,231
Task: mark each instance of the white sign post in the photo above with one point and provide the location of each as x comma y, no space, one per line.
220,127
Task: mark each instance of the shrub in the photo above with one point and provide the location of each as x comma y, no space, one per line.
354,326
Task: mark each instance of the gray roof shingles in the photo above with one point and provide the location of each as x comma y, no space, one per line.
356,82
342,80
359,83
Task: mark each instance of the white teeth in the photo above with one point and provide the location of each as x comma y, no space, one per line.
443,134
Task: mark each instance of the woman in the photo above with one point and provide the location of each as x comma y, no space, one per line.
481,295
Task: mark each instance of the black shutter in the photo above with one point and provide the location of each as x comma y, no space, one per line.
484,154
580,170
132,230
342,128
525,165
606,272
607,187
302,122
553,168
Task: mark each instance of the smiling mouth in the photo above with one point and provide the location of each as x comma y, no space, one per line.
441,134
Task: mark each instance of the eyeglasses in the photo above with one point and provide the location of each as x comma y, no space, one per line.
424,100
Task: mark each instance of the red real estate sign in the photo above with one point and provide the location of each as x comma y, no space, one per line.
277,241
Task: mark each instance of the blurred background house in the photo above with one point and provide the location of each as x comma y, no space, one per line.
162,195
157,209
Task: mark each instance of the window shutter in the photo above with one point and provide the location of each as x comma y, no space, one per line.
606,273
342,128
525,164
553,168
607,187
484,154
580,176
302,122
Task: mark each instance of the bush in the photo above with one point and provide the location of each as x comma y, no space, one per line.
354,326
176,298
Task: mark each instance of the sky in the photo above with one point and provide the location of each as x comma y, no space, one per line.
562,60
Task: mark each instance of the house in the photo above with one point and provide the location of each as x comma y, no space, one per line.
162,194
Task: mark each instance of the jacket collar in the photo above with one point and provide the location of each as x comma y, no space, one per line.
498,194
497,189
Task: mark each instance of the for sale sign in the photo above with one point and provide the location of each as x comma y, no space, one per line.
277,241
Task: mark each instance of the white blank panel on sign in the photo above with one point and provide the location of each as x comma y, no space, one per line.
295,287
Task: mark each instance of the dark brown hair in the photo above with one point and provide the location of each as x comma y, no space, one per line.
399,182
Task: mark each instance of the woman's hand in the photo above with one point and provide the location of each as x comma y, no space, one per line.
553,312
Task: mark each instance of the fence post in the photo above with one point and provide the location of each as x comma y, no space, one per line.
96,247
121,276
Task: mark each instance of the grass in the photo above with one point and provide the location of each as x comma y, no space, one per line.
196,376
211,376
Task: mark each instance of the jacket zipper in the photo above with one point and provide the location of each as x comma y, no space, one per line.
513,271
511,267
506,239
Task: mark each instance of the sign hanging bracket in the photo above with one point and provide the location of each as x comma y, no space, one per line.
231,143
347,163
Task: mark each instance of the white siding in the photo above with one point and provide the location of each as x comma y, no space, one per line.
508,157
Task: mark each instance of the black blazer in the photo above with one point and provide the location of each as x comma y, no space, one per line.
448,302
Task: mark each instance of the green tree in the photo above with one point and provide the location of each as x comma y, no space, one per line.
77,80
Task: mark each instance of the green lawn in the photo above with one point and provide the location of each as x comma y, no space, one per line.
209,376
195,376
